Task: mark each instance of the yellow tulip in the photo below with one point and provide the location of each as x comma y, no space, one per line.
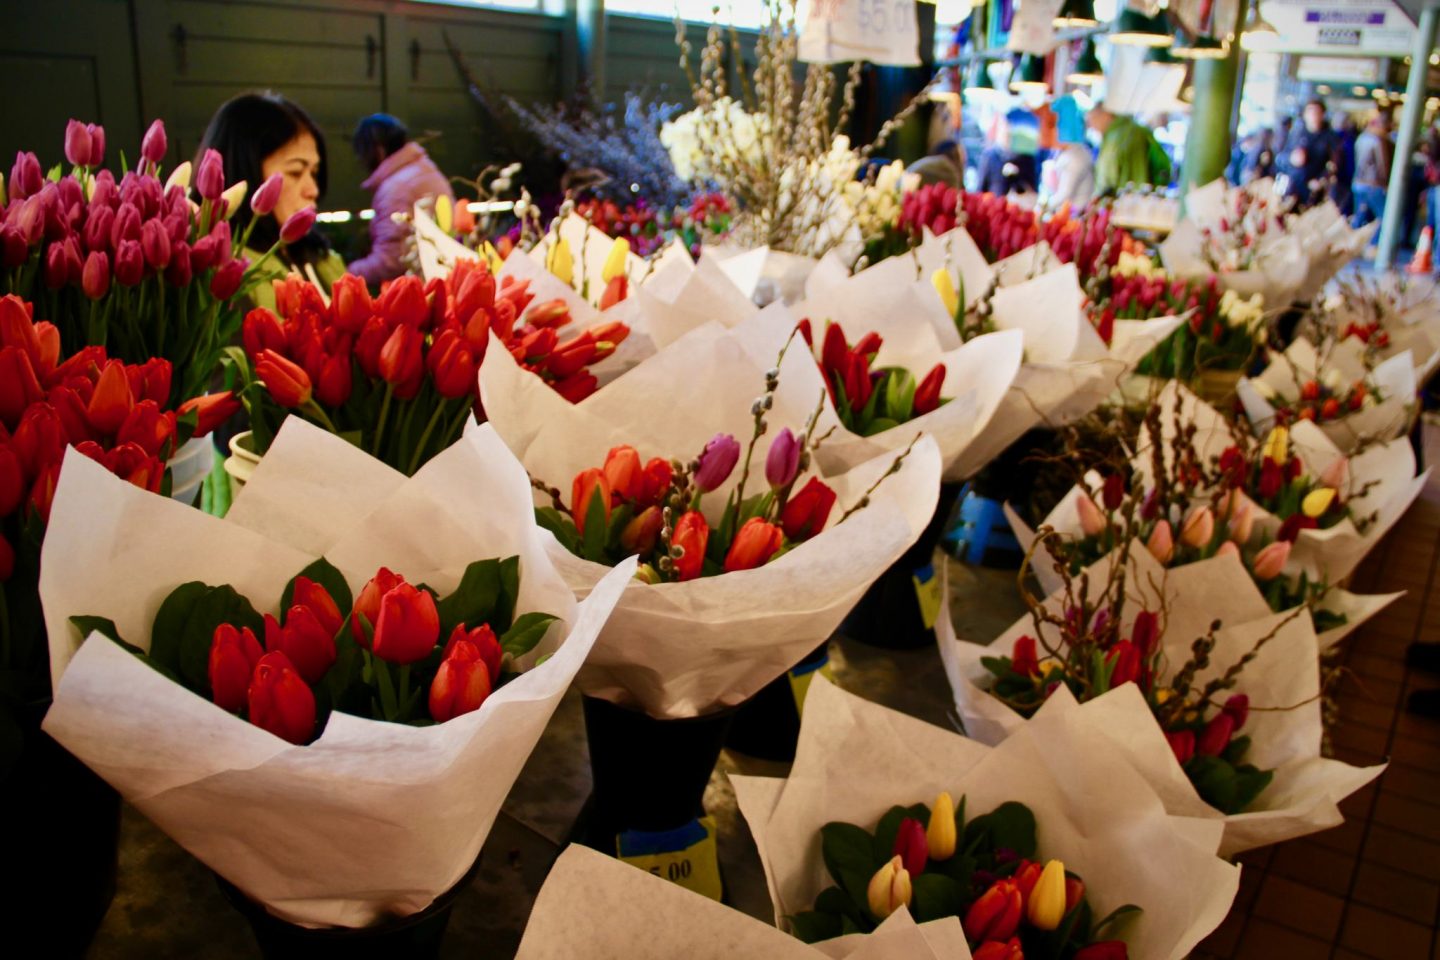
1316,502
1047,901
1277,445
945,286
560,262
940,835
233,197
615,261
492,257
444,213
889,889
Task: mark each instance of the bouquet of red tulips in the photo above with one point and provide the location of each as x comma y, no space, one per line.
872,401
397,374
135,266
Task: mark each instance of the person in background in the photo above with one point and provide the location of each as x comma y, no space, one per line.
1373,156
945,164
1129,153
1310,157
401,174
1003,170
1260,161
1342,191
1432,180
259,135
1072,171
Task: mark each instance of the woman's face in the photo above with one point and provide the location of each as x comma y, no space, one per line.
298,162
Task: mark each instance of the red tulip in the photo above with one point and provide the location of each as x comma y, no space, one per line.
366,612
1104,950
452,365
155,243
315,598
996,914
927,395
1124,660
77,143
350,303
287,382
484,640
656,479
26,177
297,225
692,535
112,400
1182,744
615,291
12,480
1271,478
226,282
1237,707
858,385
131,463
754,544
623,473
95,280
150,380
39,439
806,512
304,639
336,380
262,330
461,683
1290,530
403,301
7,559
179,274
999,950
233,656
97,144
408,627
401,363
835,352
910,845
279,700
19,387
149,428
57,267
583,489
17,329
571,355
125,226
1025,657
1216,736
212,409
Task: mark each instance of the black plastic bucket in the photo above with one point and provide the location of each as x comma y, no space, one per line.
767,725
416,937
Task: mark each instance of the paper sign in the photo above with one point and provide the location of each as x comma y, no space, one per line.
881,31
1034,28
801,676
928,594
685,856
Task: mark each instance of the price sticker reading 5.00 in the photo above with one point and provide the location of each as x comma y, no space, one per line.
686,856
881,31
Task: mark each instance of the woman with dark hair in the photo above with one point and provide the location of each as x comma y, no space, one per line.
401,174
262,134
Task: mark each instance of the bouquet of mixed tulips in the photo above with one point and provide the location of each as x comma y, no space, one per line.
397,374
1244,238
135,266
872,401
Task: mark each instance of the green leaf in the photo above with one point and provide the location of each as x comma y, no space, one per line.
899,395
619,517
323,572
185,626
1112,924
848,852
521,638
814,926
509,594
89,625
880,425
474,599
935,896
1010,826
596,530
561,525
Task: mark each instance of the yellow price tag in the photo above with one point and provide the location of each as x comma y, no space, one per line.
928,594
686,856
800,681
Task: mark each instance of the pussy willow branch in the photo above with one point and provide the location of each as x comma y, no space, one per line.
893,469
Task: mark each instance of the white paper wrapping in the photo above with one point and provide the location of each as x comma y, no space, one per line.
596,907
1278,275
685,649
373,818
1093,810
1307,787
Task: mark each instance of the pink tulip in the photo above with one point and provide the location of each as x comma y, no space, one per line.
1228,549
210,177
1162,542
1199,527
1271,560
1337,475
153,147
263,201
1092,521
77,143
297,225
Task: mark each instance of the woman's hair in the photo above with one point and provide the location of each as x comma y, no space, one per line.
378,130
247,129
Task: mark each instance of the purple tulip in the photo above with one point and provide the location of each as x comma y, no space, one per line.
126,225
25,176
178,274
210,178
716,461
95,280
203,255
77,143
227,279
97,144
98,224
783,460
263,201
13,249
57,267
129,263
154,145
104,193
155,243
224,245
297,225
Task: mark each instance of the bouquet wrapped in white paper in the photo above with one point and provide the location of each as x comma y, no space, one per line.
591,905
680,649
1092,810
1330,242
1387,315
1281,717
371,819
1353,404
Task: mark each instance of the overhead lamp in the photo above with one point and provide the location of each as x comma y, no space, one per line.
1258,33
1076,13
1087,68
1029,75
1161,55
1135,29
1201,47
1358,90
979,82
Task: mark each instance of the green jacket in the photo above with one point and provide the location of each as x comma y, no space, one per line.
327,271
1129,153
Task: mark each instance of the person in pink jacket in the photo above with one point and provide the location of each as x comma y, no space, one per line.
401,173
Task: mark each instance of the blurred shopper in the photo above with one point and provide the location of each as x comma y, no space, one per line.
401,174
1071,173
1373,155
1432,179
1129,153
1310,157
1342,191
260,135
1260,160
945,164
1004,169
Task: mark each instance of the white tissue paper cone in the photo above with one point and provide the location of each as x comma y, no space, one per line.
596,907
372,819
1304,795
1093,810
687,649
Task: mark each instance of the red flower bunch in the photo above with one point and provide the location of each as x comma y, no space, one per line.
400,370
1319,403
871,401
1371,334
636,222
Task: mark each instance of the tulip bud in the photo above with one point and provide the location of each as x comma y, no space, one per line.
940,834
889,889
783,460
408,626
297,225
97,144
305,640
1238,709
1113,493
129,263
1024,657
927,394
77,143
1271,560
1277,445
1104,950
642,531
1228,549
615,261
806,512
179,177
1198,528
212,410
1216,736
461,683
945,286
155,244
311,595
587,486
1092,521
286,380
623,473
1074,893
263,201
716,461
210,177
755,543
999,950
1294,525
231,199
560,263
1124,661
1161,543
95,280
692,535
154,144
1337,474
1317,501
1047,901
26,178
995,914
911,846
280,701
233,656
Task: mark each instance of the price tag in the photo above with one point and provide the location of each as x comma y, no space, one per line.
880,31
684,856
928,593
801,676
1033,30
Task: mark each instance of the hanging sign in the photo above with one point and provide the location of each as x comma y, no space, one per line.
1338,26
881,31
1339,69
1033,30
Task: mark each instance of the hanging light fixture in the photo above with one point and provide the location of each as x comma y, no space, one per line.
1029,75
978,83
1087,68
1199,48
1160,55
1135,29
1076,13
1258,33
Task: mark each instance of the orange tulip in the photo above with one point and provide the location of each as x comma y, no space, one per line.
754,544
